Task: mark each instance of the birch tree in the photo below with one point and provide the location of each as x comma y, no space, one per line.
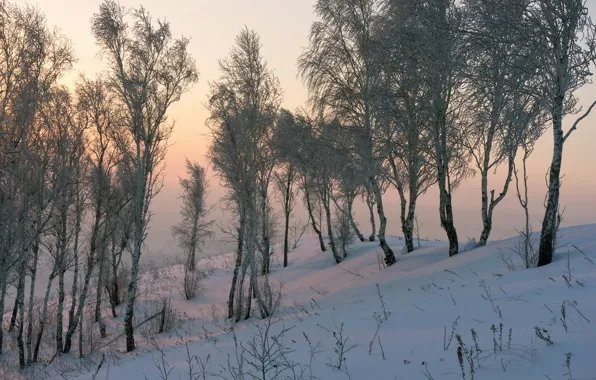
340,72
193,228
32,58
286,175
97,108
243,105
439,46
498,84
566,36
149,70
404,112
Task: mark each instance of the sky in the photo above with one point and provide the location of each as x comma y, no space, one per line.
283,26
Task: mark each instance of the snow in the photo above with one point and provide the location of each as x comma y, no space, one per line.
425,292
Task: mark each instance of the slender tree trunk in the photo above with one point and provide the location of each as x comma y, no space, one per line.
30,316
21,315
81,336
240,290
61,252
251,293
59,321
74,292
265,234
352,221
389,256
15,308
371,210
131,295
489,206
407,214
312,218
44,315
114,291
549,223
3,284
237,265
407,225
326,204
446,213
74,322
287,210
100,278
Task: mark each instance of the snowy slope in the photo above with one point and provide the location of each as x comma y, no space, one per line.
425,292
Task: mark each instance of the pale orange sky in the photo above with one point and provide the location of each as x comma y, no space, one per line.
283,26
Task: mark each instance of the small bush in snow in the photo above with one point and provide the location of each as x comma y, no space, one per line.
471,244
193,282
343,230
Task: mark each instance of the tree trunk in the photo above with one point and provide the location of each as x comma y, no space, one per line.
44,315
312,218
251,293
31,301
407,219
15,308
389,256
114,292
59,321
326,204
131,294
21,307
74,322
2,300
100,277
237,265
240,290
287,210
371,210
487,212
549,223
75,290
352,221
446,213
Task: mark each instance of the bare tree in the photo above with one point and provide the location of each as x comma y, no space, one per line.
243,105
32,58
311,201
439,47
193,228
498,84
340,72
97,108
149,70
530,127
318,161
286,176
404,112
566,37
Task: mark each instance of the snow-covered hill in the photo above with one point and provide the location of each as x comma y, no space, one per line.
428,300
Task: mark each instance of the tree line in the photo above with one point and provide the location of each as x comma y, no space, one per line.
402,93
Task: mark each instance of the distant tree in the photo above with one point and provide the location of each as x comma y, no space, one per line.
193,228
148,71
287,173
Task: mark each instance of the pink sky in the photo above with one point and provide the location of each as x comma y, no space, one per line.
283,26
